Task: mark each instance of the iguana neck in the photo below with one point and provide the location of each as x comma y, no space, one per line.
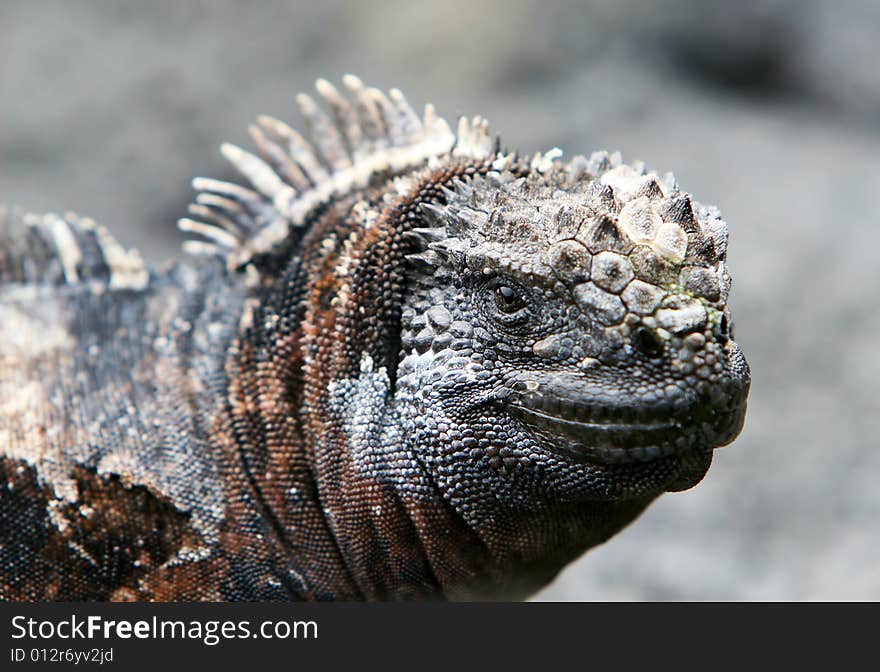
353,514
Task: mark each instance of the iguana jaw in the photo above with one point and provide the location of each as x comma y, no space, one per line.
606,434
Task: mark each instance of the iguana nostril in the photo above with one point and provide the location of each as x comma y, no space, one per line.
648,342
725,329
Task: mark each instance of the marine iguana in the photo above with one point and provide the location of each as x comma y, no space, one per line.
408,364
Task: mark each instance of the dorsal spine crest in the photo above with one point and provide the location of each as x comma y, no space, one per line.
365,134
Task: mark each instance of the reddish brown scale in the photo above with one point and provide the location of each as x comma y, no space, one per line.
273,463
80,562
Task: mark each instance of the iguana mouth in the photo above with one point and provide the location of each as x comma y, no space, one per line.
615,435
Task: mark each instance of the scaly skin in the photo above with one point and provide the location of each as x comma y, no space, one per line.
416,368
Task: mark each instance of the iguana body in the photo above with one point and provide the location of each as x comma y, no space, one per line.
410,365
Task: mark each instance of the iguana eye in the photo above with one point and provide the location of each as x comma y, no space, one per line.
508,300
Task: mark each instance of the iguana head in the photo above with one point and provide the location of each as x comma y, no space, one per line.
568,335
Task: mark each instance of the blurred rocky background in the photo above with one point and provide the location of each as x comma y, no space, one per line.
770,110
